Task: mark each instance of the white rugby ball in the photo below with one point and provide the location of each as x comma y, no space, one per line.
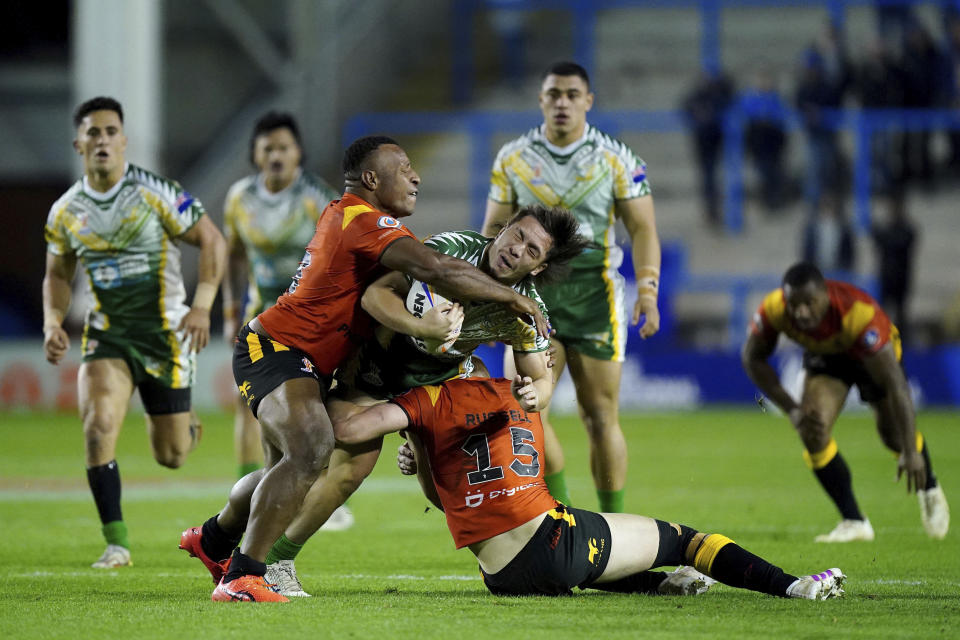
420,299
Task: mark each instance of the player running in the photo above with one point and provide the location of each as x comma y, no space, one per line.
568,163
122,224
284,358
479,458
848,340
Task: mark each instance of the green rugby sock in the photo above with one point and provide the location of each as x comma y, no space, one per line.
247,467
610,501
557,485
283,549
116,533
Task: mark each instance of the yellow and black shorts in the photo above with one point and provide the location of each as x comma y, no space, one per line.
260,365
570,549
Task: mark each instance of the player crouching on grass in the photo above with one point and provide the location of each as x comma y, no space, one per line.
848,340
479,459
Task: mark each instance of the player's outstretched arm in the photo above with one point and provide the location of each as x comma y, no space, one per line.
754,357
495,217
459,278
533,367
896,412
56,301
385,300
641,223
212,262
370,423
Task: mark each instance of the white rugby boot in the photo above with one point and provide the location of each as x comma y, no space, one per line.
820,586
283,574
848,531
114,556
685,581
934,511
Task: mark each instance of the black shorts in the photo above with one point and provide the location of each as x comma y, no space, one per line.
570,549
849,370
159,400
260,365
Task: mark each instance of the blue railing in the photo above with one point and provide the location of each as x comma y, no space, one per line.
583,15
481,127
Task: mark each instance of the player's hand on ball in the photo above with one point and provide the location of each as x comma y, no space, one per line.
405,460
196,324
56,343
647,308
911,463
443,322
525,392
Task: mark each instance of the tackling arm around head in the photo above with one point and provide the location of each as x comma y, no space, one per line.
458,277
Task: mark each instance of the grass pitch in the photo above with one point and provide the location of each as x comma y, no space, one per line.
395,574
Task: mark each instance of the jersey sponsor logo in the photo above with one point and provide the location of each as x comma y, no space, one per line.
475,500
116,272
388,222
640,173
871,338
184,200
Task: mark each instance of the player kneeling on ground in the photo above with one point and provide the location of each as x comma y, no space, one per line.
525,541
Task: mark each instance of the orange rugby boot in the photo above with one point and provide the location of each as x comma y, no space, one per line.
247,589
190,542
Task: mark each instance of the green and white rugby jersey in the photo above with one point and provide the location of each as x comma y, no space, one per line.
485,321
124,239
587,177
275,229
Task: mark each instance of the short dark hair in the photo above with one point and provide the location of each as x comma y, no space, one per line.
271,121
566,68
358,152
564,230
100,103
801,274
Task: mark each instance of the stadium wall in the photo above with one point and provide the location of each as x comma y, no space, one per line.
653,379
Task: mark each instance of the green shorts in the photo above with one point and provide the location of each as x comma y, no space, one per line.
588,313
161,357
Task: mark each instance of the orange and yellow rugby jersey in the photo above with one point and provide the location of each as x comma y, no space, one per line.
486,455
320,313
854,323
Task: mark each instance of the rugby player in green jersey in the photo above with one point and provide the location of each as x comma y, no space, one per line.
121,223
566,162
269,217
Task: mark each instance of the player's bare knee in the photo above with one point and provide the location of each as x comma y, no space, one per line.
170,456
98,430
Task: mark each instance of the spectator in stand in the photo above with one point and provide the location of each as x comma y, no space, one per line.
766,138
880,85
824,79
952,71
705,107
895,241
828,238
923,68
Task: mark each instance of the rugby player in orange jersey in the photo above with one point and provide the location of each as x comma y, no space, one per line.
479,457
848,340
283,358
